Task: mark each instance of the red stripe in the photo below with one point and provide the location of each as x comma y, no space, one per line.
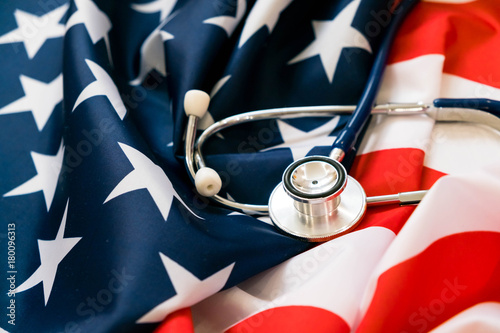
179,321
392,171
389,171
292,319
467,34
451,275
429,177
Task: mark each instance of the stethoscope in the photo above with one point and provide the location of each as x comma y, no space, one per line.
317,200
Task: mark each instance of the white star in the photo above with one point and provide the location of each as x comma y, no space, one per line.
34,30
190,290
51,254
153,54
207,119
264,13
39,97
147,175
95,20
265,219
219,85
229,23
300,143
48,168
102,86
331,37
243,212
163,6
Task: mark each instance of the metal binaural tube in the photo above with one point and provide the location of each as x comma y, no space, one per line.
403,198
298,112
194,156
189,144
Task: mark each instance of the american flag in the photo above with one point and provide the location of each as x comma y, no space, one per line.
102,230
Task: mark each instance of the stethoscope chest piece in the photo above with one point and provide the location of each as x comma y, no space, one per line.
317,200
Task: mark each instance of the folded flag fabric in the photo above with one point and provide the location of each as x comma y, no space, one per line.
103,231
403,270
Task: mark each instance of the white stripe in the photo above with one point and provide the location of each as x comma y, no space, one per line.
414,80
457,87
392,132
463,147
403,84
483,317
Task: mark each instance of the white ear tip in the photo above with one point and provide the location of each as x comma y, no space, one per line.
207,182
196,103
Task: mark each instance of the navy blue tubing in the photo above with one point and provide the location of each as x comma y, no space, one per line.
348,136
483,104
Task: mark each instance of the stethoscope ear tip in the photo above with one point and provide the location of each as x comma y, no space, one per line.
196,103
208,182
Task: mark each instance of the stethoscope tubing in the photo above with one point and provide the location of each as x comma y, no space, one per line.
450,110
196,161
349,135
